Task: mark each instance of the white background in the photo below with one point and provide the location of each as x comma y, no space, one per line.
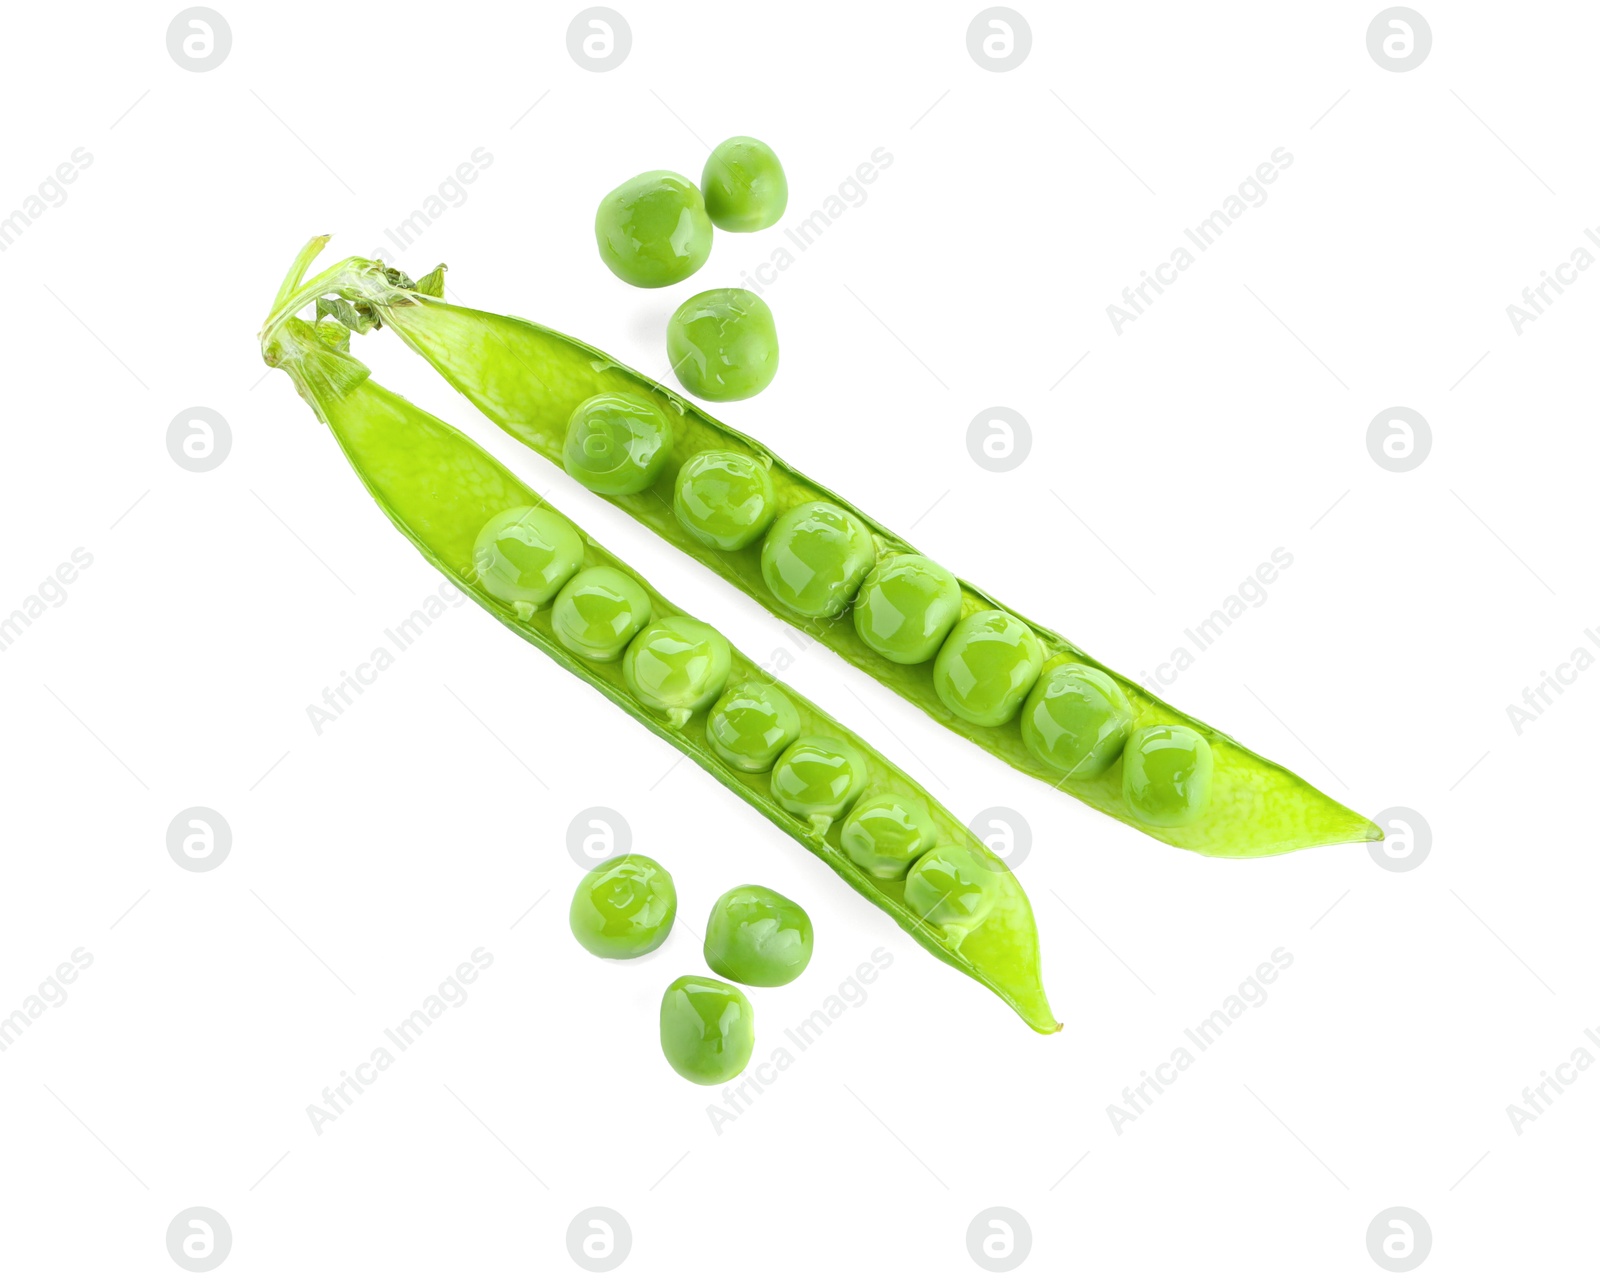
429,820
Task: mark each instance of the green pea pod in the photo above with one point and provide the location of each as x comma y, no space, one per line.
442,491
527,379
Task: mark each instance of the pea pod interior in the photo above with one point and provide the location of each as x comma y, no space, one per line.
528,379
440,489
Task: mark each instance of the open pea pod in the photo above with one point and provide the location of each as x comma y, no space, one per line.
466,513
1040,703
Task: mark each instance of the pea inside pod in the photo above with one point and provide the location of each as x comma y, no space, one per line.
598,612
523,555
906,608
616,444
1166,774
677,666
986,667
818,779
815,557
951,887
1076,719
723,500
886,833
750,726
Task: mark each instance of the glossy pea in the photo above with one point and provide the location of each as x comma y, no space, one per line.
616,444
951,887
707,1029
598,612
758,937
723,344
818,779
750,725
1166,774
1076,719
723,499
815,557
744,185
524,555
653,230
986,667
906,607
677,666
886,833
624,908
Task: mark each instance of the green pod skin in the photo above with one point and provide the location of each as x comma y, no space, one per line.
758,937
598,612
707,1030
624,908
527,378
439,488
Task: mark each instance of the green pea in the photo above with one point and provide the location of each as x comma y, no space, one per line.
815,557
523,555
750,725
677,666
653,230
818,779
707,1030
886,833
616,444
1166,774
758,937
624,908
724,499
951,887
744,185
1076,719
986,667
598,612
723,344
906,608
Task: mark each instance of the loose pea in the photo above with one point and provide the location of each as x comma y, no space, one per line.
1166,774
1076,719
707,1030
723,344
724,499
886,833
523,555
906,608
616,444
653,230
758,937
750,725
624,908
815,557
744,186
598,612
678,666
952,888
818,779
987,666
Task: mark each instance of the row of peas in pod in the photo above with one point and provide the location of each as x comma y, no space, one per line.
655,230
821,561
625,908
679,667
